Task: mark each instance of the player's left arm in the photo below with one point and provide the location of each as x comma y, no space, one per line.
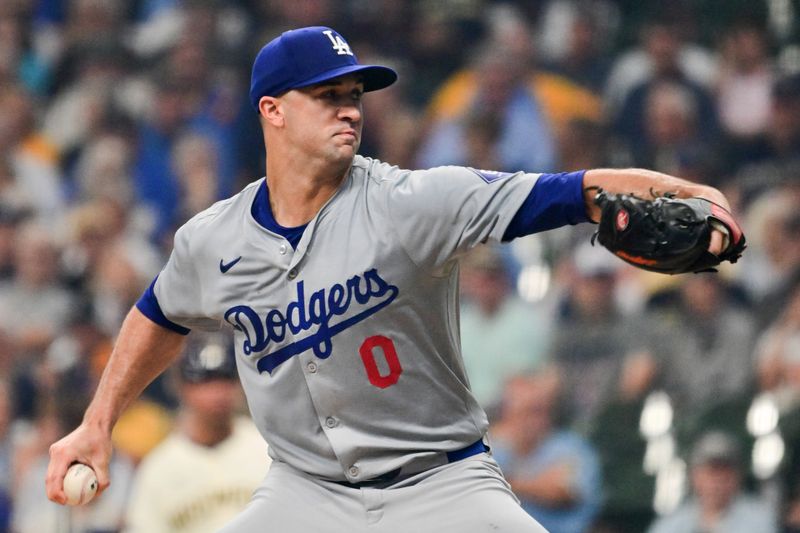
645,183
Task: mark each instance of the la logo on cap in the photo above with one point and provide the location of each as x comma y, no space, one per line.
339,44
301,58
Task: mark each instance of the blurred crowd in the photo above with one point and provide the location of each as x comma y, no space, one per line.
620,401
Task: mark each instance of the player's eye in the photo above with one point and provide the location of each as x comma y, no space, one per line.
339,96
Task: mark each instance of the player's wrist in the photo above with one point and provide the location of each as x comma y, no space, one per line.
99,421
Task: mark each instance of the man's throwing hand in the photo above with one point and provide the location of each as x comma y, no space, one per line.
86,445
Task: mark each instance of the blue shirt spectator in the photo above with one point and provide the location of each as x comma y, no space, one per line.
744,514
718,503
555,472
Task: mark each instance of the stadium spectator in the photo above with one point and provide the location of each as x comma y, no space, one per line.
194,161
689,101
34,161
531,106
554,472
591,363
103,170
84,106
436,47
663,48
744,90
119,277
34,306
774,161
211,443
154,179
773,253
718,503
500,335
711,337
498,86
575,41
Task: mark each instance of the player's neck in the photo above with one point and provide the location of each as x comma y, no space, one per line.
298,191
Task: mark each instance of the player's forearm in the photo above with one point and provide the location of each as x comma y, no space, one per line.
143,350
641,182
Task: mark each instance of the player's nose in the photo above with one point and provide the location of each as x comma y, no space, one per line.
351,112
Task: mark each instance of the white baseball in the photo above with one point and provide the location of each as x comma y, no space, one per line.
726,235
80,484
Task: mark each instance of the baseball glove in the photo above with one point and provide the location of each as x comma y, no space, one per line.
666,234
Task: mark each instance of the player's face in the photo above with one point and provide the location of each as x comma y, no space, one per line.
327,118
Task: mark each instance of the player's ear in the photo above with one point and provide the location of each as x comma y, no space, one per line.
269,107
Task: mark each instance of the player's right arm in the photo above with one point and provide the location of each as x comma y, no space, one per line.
143,350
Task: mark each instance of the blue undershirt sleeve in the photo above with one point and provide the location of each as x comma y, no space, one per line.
555,200
148,305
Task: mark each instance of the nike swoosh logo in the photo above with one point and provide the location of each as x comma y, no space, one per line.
224,267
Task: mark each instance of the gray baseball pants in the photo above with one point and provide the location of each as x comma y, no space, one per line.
467,496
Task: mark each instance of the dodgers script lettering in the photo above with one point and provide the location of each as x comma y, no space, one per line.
369,292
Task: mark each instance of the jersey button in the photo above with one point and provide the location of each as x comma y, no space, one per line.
353,471
283,249
330,422
292,274
312,367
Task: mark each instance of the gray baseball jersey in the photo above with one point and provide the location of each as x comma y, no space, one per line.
348,345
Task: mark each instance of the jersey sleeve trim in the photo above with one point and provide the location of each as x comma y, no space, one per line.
148,305
555,200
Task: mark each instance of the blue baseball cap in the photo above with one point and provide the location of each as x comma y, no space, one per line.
305,56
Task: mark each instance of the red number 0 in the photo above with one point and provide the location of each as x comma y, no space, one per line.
367,352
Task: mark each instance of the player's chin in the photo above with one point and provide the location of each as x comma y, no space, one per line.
347,139
348,149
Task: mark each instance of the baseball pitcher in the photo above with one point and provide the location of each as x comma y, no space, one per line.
339,277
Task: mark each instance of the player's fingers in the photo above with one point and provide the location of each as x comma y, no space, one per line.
103,478
56,470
